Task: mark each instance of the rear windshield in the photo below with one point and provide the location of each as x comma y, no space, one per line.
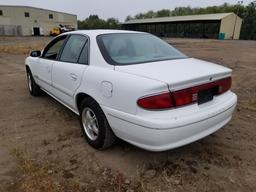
134,48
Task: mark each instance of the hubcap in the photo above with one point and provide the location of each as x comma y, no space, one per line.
90,123
29,82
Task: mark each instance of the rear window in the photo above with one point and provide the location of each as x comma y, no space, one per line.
135,48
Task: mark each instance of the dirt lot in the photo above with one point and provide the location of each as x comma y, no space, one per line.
41,147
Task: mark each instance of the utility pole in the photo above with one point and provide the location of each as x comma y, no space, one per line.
237,12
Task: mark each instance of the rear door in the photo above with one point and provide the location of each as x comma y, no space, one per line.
43,68
67,73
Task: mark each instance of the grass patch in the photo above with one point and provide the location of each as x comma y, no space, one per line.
250,105
19,49
43,177
36,177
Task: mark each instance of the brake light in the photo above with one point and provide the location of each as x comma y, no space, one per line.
224,85
161,101
183,97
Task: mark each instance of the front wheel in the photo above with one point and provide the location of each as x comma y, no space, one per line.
33,88
94,125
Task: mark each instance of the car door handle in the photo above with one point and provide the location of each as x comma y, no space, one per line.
73,76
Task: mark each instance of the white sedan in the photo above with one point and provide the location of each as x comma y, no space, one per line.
133,86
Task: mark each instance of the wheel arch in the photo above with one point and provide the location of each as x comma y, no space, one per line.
27,68
80,97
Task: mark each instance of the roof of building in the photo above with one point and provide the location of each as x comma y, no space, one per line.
202,17
30,7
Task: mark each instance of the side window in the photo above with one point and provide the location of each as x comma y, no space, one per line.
73,48
54,48
84,55
26,14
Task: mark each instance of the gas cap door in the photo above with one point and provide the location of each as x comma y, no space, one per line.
106,88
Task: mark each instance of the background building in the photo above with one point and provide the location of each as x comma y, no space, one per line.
24,20
221,25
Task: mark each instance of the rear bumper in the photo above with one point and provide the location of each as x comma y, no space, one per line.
164,134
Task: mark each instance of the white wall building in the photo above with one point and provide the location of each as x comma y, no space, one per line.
25,20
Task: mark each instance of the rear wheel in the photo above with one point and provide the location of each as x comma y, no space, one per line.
33,88
94,125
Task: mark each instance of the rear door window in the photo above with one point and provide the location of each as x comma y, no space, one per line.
84,57
73,48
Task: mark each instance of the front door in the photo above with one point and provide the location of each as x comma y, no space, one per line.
36,31
67,73
43,69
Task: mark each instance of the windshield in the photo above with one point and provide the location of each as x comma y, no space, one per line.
134,48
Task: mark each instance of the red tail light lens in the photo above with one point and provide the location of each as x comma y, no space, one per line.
183,97
224,85
162,101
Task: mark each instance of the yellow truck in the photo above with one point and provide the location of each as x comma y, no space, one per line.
61,29
55,31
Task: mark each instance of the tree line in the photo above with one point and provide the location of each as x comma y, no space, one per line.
94,22
247,13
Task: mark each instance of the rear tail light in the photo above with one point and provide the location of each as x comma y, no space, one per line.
182,97
224,85
161,101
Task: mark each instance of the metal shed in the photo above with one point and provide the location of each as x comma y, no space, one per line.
220,25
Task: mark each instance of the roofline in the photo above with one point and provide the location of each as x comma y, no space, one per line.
153,20
150,22
102,31
24,6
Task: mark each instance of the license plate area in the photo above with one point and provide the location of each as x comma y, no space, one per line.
206,95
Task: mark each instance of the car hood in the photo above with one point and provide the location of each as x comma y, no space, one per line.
179,73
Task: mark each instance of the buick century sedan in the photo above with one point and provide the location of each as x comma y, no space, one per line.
133,86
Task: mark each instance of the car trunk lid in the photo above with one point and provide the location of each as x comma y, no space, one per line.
179,73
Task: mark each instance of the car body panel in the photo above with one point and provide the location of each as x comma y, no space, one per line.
66,79
126,88
161,140
160,134
179,73
42,72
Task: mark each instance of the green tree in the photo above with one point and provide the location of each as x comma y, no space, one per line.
249,23
163,13
113,23
94,22
128,18
150,14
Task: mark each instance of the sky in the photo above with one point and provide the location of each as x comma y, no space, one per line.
119,9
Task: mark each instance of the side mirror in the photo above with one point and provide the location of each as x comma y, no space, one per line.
35,54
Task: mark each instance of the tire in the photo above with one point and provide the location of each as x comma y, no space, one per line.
33,88
104,136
